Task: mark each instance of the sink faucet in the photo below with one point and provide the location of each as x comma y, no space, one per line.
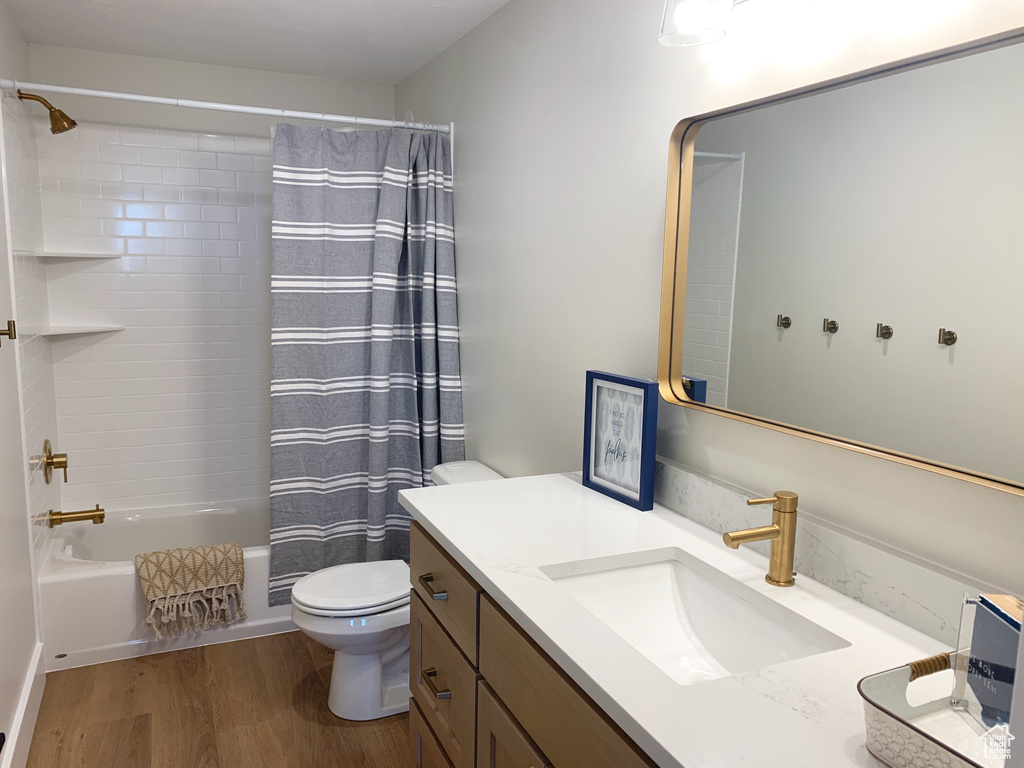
782,534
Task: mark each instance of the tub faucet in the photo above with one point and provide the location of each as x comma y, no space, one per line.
97,516
782,534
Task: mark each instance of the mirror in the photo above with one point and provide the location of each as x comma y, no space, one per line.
848,264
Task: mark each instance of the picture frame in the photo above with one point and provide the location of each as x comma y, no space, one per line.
620,437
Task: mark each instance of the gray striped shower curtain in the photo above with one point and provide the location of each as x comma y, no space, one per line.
366,395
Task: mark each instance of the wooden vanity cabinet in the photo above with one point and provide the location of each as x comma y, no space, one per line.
484,695
424,749
443,684
450,592
500,741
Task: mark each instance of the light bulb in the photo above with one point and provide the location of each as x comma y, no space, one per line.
694,22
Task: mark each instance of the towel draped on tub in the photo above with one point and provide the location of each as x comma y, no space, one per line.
193,588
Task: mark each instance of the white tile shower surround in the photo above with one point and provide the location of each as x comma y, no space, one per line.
175,409
711,270
30,293
891,583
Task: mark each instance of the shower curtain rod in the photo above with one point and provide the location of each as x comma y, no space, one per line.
718,155
212,105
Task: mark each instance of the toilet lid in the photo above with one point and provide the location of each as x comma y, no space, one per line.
354,588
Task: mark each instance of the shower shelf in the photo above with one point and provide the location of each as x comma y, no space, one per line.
78,330
77,256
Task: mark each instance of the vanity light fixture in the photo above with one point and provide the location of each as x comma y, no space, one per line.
695,22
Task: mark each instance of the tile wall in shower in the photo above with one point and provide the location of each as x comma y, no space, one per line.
36,367
711,269
175,409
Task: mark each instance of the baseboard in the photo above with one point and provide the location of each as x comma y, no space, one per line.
19,740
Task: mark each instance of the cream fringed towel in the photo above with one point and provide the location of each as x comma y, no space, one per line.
193,588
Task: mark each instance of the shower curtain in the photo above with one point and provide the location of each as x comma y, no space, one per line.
366,395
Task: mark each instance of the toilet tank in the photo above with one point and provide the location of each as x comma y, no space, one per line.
462,472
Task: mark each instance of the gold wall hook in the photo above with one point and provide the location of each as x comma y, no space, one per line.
947,337
11,332
97,516
52,461
829,326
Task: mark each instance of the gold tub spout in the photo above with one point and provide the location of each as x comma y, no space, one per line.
59,518
781,533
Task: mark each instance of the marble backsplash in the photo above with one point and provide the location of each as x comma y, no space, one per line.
905,590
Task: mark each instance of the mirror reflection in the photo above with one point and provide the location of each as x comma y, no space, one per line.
856,263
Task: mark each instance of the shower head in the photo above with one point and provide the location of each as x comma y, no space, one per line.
59,121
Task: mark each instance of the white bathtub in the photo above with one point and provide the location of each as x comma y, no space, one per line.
92,607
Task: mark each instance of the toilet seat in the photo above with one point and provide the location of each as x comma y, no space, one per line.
340,614
353,589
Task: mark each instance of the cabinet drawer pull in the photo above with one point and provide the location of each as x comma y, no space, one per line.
425,580
428,680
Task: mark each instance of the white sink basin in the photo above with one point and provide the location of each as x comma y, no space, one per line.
691,620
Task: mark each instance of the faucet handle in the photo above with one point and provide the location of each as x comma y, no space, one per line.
783,501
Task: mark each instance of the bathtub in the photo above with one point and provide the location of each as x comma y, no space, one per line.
91,605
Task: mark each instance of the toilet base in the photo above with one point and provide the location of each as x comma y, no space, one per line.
371,686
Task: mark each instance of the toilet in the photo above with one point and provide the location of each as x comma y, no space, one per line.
361,611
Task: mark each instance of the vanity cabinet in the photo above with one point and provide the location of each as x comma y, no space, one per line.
443,684
484,694
500,741
441,583
424,749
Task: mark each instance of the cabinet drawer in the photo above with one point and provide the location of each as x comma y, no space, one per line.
500,742
568,728
443,683
424,750
447,589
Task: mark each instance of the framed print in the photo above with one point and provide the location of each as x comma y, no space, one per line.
619,433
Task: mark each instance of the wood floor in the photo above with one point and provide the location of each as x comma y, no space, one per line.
255,704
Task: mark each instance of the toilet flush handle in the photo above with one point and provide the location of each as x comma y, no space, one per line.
425,580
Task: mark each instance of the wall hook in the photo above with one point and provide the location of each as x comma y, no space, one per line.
783,322
883,331
947,337
829,326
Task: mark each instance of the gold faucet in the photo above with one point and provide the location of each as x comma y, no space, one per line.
781,533
97,516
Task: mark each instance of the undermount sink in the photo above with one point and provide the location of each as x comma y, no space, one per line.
692,621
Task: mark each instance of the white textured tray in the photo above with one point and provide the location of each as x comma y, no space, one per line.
903,735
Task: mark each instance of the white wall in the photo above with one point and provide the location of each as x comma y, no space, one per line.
17,605
54,65
912,220
175,409
563,112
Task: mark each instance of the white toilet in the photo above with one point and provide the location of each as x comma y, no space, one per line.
361,611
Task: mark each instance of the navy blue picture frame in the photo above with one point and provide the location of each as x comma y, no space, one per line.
643,498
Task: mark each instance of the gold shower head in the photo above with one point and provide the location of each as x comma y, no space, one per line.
59,121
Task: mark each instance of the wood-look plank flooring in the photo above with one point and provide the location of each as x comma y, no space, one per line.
258,703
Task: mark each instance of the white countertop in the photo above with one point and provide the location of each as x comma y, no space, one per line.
802,713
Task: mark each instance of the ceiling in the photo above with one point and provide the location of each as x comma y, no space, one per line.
377,41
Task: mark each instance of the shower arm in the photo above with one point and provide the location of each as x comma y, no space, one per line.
32,97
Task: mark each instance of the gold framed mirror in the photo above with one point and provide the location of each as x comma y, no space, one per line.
845,263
